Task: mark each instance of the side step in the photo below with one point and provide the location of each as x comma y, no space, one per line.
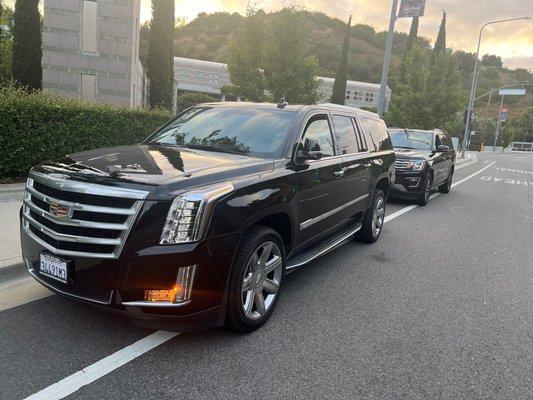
323,247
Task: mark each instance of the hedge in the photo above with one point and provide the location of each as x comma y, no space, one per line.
37,127
187,100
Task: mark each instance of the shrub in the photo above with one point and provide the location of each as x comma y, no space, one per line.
187,100
37,127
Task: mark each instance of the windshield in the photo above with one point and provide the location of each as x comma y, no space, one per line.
248,131
414,140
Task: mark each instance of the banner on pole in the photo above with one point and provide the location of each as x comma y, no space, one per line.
503,114
412,8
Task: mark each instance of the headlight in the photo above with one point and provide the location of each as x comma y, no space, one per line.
189,214
418,165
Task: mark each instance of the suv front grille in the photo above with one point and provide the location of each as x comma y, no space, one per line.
402,165
77,218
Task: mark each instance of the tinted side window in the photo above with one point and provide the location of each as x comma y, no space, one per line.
378,131
319,130
345,134
367,142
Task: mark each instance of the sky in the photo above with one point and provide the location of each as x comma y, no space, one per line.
512,41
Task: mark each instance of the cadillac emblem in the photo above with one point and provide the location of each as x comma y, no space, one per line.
59,210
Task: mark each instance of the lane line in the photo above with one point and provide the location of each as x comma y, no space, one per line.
412,207
72,383
93,372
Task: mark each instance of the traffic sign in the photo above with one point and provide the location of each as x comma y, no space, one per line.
412,8
512,92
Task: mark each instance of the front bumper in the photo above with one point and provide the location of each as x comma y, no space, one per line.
408,184
118,285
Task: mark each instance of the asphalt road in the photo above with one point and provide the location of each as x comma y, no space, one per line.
440,308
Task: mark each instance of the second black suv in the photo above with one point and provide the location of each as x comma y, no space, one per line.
424,160
197,225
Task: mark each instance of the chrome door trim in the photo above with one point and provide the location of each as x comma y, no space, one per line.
313,221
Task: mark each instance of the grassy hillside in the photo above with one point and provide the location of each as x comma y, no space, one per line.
208,37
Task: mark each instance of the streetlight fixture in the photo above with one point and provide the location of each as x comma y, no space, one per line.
475,79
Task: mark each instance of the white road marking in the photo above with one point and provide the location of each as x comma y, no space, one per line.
72,383
412,207
93,372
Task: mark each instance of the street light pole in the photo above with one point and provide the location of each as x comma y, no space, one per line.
474,80
386,62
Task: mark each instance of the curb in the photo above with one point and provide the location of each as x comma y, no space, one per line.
12,272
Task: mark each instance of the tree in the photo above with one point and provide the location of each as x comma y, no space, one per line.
440,43
489,60
246,57
290,69
27,40
339,87
161,58
187,100
413,34
409,106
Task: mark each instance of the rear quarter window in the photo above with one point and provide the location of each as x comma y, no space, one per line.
377,130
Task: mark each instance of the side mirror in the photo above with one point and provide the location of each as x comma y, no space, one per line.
443,148
309,151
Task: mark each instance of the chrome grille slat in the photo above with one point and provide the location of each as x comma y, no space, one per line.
75,241
79,206
401,165
74,222
70,238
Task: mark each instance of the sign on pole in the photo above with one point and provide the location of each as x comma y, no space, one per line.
503,114
412,8
512,92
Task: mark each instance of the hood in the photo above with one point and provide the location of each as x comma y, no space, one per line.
411,154
155,165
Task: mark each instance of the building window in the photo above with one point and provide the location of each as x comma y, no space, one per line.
88,87
369,98
358,96
348,95
90,12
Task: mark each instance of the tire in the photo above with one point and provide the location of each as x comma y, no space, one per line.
244,310
447,186
423,198
374,218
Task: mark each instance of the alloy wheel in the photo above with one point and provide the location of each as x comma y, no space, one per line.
261,281
378,217
428,188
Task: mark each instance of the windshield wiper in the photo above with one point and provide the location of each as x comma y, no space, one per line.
215,148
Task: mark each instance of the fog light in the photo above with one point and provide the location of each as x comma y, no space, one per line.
180,293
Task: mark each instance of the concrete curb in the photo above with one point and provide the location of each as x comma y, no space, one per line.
12,272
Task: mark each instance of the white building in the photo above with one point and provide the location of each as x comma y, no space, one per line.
91,51
209,77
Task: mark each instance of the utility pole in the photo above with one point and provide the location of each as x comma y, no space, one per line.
386,62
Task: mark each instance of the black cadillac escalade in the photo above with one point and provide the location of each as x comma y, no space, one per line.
196,226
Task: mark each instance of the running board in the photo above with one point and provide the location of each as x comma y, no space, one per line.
322,247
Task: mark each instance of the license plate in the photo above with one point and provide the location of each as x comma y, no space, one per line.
53,267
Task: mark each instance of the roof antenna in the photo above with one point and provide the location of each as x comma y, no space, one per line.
282,103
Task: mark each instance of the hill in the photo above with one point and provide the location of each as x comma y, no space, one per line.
208,37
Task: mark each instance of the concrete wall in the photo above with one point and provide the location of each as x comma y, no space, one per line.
115,64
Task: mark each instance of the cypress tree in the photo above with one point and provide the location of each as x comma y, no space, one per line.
440,43
27,41
413,34
339,87
161,59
